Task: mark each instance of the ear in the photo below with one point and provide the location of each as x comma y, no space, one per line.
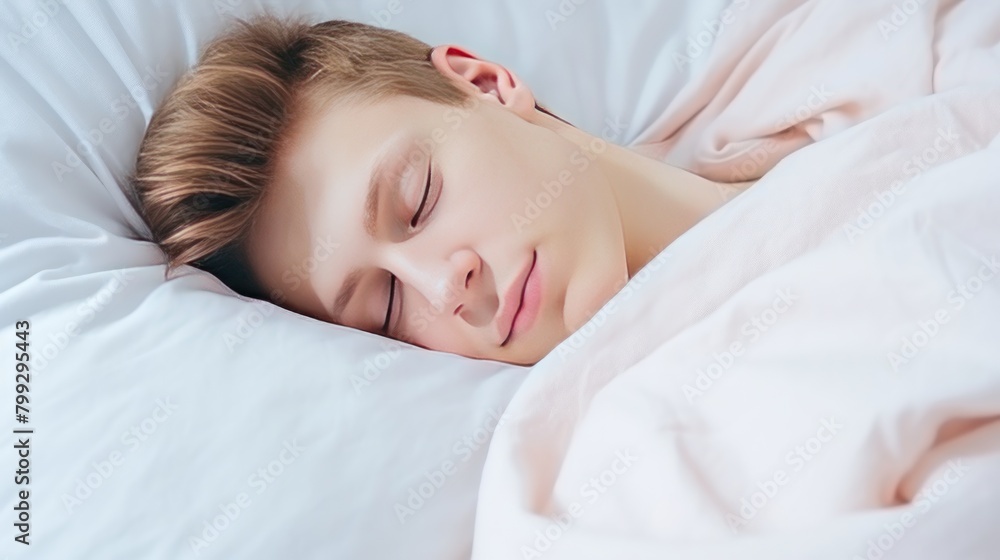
487,79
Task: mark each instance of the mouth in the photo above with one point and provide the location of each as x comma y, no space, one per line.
522,302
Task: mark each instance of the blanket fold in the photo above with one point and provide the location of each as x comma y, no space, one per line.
812,371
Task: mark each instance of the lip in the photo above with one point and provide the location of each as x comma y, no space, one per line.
521,303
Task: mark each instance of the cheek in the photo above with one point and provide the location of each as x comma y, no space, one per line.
484,195
539,194
429,329
562,184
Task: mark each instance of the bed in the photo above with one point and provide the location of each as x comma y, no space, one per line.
176,419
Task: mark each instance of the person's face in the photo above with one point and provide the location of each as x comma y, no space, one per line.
469,201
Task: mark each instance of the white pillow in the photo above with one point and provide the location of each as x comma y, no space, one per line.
177,419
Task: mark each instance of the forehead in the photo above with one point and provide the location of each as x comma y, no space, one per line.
313,210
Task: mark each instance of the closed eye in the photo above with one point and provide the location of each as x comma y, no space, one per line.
388,313
423,201
413,223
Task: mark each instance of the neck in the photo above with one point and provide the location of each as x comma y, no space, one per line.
657,202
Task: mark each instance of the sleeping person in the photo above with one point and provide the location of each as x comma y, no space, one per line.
358,176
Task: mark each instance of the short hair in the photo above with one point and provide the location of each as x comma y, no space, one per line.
208,155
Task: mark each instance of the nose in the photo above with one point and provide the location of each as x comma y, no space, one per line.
452,285
463,264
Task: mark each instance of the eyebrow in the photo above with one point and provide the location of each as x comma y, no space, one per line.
370,220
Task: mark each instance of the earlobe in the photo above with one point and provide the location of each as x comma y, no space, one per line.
488,79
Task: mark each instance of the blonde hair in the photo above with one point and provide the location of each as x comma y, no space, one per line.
209,152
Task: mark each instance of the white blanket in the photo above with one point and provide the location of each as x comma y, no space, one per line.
811,372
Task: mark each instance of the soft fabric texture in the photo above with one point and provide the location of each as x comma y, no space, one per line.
807,371
810,372
158,406
778,75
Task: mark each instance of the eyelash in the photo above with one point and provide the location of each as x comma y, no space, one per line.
413,224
